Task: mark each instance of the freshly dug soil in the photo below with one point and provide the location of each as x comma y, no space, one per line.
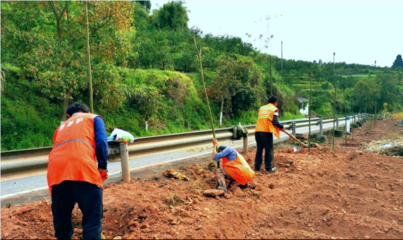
324,193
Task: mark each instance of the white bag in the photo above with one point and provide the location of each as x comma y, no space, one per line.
122,135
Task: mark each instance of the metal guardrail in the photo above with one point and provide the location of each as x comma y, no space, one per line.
22,161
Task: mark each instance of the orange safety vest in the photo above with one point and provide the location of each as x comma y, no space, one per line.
73,155
238,169
265,120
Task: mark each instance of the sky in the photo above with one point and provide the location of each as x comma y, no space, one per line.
357,31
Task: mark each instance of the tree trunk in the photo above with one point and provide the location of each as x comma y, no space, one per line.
65,106
58,16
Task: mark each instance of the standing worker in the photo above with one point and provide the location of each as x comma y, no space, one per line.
234,167
73,175
267,125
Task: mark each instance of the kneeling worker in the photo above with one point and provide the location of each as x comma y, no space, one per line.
233,167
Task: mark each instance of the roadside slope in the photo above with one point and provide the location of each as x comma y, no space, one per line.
342,193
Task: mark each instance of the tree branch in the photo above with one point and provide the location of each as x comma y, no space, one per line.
58,15
54,9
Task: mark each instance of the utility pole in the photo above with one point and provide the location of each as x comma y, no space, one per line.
334,56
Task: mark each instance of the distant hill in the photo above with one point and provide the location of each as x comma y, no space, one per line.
144,68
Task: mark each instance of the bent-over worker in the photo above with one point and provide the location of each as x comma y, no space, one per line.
234,166
73,175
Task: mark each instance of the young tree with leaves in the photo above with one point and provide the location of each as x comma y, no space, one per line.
224,86
48,41
172,16
366,93
398,63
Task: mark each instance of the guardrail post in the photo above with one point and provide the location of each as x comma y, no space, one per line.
245,144
294,129
124,154
320,127
337,123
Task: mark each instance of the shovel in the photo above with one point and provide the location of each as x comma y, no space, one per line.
296,149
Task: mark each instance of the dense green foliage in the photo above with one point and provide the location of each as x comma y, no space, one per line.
398,63
145,71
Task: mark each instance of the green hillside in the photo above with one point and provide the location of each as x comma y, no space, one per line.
145,69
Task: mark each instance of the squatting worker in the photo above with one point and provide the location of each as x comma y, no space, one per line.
267,125
234,167
73,175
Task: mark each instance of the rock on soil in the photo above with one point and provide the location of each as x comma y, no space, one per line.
213,192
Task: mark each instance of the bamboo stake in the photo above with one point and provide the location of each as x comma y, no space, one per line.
204,85
205,92
309,112
89,58
271,80
334,113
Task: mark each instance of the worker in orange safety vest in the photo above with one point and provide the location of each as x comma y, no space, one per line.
234,167
267,125
73,173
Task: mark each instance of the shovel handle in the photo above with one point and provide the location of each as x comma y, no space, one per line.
292,136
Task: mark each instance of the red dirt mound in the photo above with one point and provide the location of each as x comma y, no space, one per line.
324,193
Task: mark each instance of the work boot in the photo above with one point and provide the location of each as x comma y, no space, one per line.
272,170
245,186
230,183
222,188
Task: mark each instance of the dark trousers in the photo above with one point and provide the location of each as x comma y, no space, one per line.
264,140
89,199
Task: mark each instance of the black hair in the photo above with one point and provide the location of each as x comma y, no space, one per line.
272,99
221,148
77,107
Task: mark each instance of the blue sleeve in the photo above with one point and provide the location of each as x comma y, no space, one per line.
276,122
228,152
101,144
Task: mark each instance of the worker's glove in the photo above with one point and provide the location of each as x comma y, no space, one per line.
103,173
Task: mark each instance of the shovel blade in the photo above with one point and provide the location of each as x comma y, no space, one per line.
296,149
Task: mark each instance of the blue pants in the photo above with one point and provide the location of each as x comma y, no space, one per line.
264,140
89,199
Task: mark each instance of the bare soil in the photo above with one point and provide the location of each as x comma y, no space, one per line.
327,194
